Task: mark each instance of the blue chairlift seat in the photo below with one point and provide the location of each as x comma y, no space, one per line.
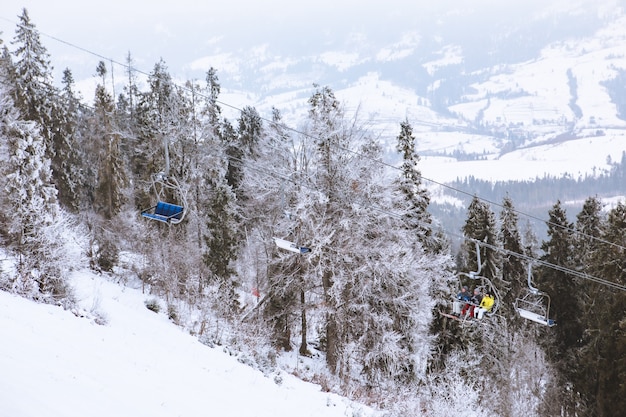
164,212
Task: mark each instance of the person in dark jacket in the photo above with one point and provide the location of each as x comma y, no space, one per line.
463,297
474,302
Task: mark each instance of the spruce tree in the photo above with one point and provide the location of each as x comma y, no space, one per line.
325,126
243,149
416,197
31,78
222,244
212,109
110,188
513,268
604,314
564,291
67,161
563,288
32,201
162,119
480,226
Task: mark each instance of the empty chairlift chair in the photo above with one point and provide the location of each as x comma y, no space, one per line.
534,305
164,184
165,212
290,246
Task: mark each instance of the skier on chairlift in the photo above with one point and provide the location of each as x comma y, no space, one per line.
463,298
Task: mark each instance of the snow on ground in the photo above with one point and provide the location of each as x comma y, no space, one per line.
576,158
53,363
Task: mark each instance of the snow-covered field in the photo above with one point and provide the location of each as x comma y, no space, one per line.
54,363
576,158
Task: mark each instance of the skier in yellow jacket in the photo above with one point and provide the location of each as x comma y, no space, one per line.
485,305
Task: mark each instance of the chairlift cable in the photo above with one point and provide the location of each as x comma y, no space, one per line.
578,274
304,134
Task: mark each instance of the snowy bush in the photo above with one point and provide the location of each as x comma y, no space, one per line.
172,313
107,255
153,305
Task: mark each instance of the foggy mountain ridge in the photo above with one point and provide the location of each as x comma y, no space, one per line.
544,100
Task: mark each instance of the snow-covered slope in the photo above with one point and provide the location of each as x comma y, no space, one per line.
539,92
575,158
559,93
55,364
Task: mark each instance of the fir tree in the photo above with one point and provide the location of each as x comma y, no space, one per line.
67,159
112,178
163,118
31,79
558,250
480,226
243,148
325,125
565,305
410,186
212,108
222,243
513,270
597,373
32,202
207,160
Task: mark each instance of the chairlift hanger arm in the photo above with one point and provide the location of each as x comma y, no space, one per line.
571,272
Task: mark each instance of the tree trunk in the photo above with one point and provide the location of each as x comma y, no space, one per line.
331,326
304,351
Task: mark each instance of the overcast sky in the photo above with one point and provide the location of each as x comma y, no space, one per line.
185,31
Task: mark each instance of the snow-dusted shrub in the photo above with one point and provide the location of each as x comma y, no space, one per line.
172,313
107,255
153,305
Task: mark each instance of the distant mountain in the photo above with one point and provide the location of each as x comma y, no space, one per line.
483,82
497,93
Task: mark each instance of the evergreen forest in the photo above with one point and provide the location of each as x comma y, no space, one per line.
369,290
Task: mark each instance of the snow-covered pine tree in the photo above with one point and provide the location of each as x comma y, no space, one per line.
602,312
30,198
386,304
375,275
563,289
67,159
222,245
162,117
480,226
223,234
513,268
328,168
242,149
109,196
410,185
34,95
207,168
212,110
31,77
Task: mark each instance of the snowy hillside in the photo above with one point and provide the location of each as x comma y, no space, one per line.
559,93
576,158
537,94
56,364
